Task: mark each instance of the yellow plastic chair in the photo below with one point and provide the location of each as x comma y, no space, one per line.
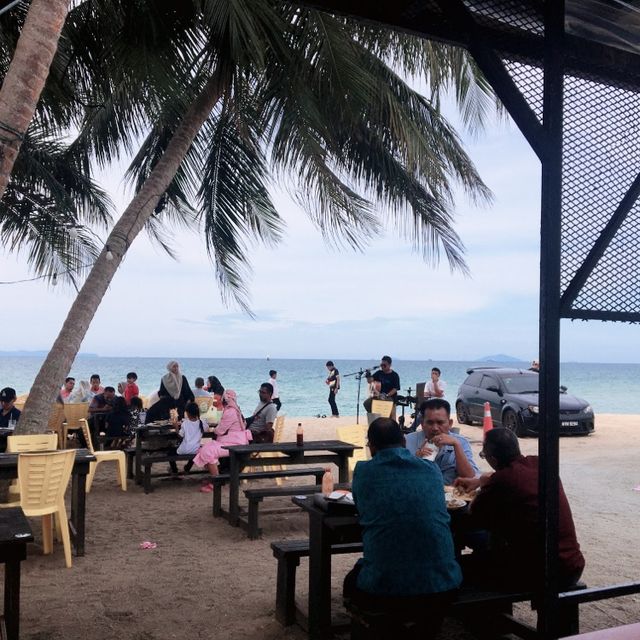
356,435
204,403
44,478
56,420
382,407
74,412
103,456
28,443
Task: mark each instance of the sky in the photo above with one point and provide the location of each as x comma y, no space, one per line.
314,301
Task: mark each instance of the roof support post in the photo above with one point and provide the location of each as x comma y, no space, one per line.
550,246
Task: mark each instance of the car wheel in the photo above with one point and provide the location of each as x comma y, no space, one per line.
511,421
462,414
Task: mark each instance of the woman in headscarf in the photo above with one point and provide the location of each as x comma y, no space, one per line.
175,385
230,430
216,390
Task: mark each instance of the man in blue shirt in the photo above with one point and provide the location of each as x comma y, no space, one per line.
408,569
454,457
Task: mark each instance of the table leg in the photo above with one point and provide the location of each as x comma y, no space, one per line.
319,615
234,488
343,468
138,461
78,507
12,597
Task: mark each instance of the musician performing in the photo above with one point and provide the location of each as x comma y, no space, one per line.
384,384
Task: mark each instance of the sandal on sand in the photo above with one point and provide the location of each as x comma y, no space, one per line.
206,488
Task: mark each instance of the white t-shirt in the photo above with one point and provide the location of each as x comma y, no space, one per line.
191,435
274,384
429,391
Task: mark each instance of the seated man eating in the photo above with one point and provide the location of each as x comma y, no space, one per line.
408,569
454,457
508,507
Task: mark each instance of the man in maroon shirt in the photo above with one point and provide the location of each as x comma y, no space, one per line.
508,507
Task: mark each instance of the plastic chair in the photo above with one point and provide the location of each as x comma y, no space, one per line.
73,413
203,402
356,435
44,478
103,456
382,408
28,443
56,420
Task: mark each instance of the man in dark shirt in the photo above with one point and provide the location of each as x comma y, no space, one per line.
386,383
408,569
8,413
508,507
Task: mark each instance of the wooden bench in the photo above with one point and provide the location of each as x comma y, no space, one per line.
288,554
487,613
148,460
221,479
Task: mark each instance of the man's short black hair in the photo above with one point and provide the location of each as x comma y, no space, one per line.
385,433
434,404
95,376
329,363
69,379
436,370
386,359
132,374
268,386
502,444
199,383
272,373
111,389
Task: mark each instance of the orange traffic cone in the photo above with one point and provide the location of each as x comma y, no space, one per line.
487,422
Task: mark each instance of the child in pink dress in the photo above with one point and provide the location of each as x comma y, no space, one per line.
230,430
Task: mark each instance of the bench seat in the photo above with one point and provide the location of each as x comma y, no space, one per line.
148,460
222,479
288,554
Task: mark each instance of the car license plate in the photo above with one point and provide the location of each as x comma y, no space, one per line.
570,423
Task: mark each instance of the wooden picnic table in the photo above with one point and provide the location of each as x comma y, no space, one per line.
9,471
15,532
312,452
164,430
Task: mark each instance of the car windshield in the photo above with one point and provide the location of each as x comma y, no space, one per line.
521,384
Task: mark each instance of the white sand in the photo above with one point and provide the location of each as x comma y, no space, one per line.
207,580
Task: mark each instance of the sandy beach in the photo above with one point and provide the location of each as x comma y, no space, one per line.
205,579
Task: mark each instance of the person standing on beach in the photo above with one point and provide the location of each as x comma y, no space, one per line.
333,380
275,398
175,385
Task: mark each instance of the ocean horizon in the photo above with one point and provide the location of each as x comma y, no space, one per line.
608,387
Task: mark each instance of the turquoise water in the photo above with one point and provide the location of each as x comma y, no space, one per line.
610,388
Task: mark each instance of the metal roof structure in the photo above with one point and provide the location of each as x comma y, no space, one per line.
568,72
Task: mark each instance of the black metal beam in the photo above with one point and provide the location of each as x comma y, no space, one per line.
550,251
600,593
599,247
596,314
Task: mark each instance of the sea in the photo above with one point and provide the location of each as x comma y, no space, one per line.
609,388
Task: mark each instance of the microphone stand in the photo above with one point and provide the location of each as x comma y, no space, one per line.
358,374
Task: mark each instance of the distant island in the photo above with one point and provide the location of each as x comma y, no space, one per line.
500,357
41,354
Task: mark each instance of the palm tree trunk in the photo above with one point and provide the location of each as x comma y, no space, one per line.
26,77
67,344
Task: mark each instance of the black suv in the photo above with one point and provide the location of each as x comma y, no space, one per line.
513,396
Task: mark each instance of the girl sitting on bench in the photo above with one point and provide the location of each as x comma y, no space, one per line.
231,430
191,431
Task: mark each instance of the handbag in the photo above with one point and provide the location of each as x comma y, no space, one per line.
250,419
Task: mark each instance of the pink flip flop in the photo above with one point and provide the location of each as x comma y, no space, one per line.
206,488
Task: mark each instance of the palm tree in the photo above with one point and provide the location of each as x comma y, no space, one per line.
236,93
26,77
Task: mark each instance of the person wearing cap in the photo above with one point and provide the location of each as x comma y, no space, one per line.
8,412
